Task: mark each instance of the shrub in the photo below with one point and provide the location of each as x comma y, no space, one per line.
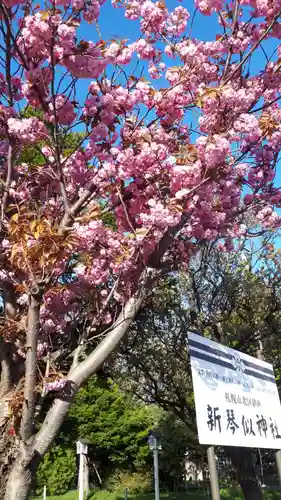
135,482
57,470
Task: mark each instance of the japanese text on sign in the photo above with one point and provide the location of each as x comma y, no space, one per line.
236,397
247,425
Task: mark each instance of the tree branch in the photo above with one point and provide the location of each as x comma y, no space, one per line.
253,48
9,299
33,323
8,181
56,133
89,366
6,367
76,207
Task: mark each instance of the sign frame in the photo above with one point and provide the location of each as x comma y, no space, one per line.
236,396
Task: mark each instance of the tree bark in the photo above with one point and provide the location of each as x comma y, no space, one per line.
6,367
242,460
9,454
33,324
19,481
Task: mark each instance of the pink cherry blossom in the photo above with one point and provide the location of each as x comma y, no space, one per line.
56,385
27,130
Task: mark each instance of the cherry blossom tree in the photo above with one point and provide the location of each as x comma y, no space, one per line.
87,232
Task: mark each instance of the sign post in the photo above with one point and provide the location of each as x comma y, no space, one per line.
214,478
278,463
155,446
82,451
236,400
81,476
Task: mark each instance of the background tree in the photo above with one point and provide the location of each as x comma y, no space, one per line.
234,299
175,440
116,425
57,471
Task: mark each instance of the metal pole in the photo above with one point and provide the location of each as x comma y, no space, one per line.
81,477
214,479
278,463
156,474
45,493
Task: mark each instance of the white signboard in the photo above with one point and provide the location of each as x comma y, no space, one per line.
236,397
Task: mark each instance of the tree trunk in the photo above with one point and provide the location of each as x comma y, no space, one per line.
242,460
19,482
21,467
15,472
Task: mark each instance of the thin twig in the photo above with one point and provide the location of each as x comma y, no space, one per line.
254,47
8,181
56,136
230,52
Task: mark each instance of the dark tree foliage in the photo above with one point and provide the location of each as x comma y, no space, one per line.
233,299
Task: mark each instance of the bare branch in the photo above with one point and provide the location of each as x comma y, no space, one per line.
253,48
8,181
76,207
6,367
56,136
9,298
33,322
88,367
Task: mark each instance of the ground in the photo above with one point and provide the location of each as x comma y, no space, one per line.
226,494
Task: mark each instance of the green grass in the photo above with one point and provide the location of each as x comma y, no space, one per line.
71,495
226,494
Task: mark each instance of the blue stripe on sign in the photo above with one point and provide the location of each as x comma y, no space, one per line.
225,364
260,376
225,355
210,359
